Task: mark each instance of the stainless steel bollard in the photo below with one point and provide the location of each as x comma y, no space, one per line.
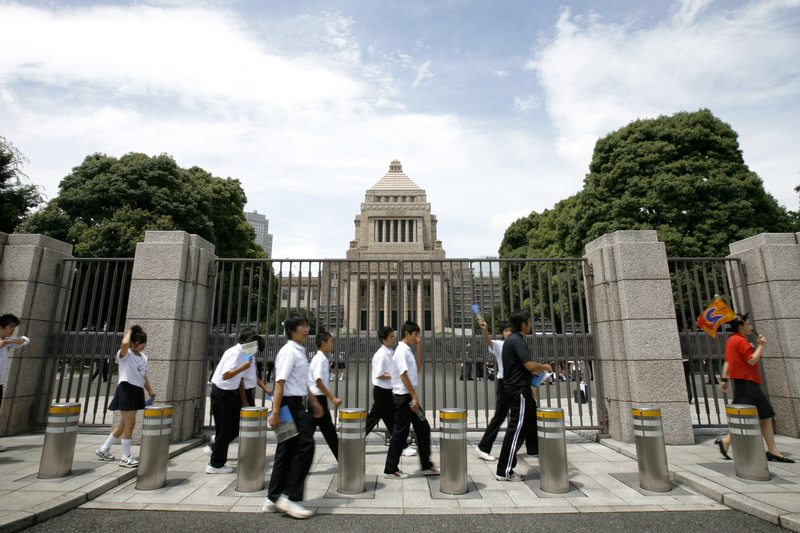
453,451
252,449
59,440
749,455
552,450
352,450
154,451
651,452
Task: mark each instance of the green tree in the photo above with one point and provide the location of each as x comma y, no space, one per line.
16,198
683,176
106,204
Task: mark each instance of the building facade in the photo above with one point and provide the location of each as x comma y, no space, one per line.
261,225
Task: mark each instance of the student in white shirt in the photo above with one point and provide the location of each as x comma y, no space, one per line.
129,396
383,399
318,373
8,323
250,378
484,448
407,409
226,404
293,456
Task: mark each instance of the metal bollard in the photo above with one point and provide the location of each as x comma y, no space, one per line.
352,450
59,440
453,451
154,451
552,450
749,455
651,452
252,449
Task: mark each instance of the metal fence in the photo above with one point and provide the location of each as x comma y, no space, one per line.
351,299
695,283
86,329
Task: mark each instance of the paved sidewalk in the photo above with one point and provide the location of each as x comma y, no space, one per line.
603,476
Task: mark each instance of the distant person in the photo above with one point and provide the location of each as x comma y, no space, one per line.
129,396
293,456
318,370
741,365
407,409
8,323
484,448
518,368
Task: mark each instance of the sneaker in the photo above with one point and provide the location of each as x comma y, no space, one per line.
432,471
269,507
409,452
485,456
221,470
397,475
293,509
104,456
208,450
129,462
513,477
212,439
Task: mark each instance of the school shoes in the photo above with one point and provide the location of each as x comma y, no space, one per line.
513,477
485,456
432,471
129,462
105,456
396,475
724,452
221,470
293,509
778,458
269,507
409,452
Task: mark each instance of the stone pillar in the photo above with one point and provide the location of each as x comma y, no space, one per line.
169,298
772,266
28,278
639,351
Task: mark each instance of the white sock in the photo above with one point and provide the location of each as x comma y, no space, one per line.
109,442
126,447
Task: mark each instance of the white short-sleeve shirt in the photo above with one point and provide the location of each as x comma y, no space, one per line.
318,368
230,360
132,368
249,376
291,365
403,360
382,364
4,354
496,349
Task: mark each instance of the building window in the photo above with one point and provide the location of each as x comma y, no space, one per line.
334,293
410,231
285,294
315,294
380,231
302,294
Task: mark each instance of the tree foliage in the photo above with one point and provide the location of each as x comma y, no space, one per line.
106,204
683,176
16,198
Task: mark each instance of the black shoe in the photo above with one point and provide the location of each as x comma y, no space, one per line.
724,453
778,458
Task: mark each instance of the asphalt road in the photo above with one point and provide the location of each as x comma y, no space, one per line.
83,520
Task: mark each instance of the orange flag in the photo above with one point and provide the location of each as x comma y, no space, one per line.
714,316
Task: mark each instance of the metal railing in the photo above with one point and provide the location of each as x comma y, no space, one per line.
351,299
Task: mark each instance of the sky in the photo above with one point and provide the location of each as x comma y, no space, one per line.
492,107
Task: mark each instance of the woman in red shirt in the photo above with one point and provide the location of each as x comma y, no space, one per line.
741,364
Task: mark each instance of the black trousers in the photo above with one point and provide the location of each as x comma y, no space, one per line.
325,425
404,417
500,414
521,427
293,457
382,409
225,404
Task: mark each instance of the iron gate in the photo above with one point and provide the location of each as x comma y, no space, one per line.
351,299
86,329
695,283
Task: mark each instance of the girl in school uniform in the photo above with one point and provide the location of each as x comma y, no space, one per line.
129,396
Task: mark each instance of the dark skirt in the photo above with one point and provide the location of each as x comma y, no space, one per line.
127,398
749,393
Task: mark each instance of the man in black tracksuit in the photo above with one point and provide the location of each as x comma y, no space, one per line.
518,366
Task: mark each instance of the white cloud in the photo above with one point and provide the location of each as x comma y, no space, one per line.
502,73
599,75
527,103
423,73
